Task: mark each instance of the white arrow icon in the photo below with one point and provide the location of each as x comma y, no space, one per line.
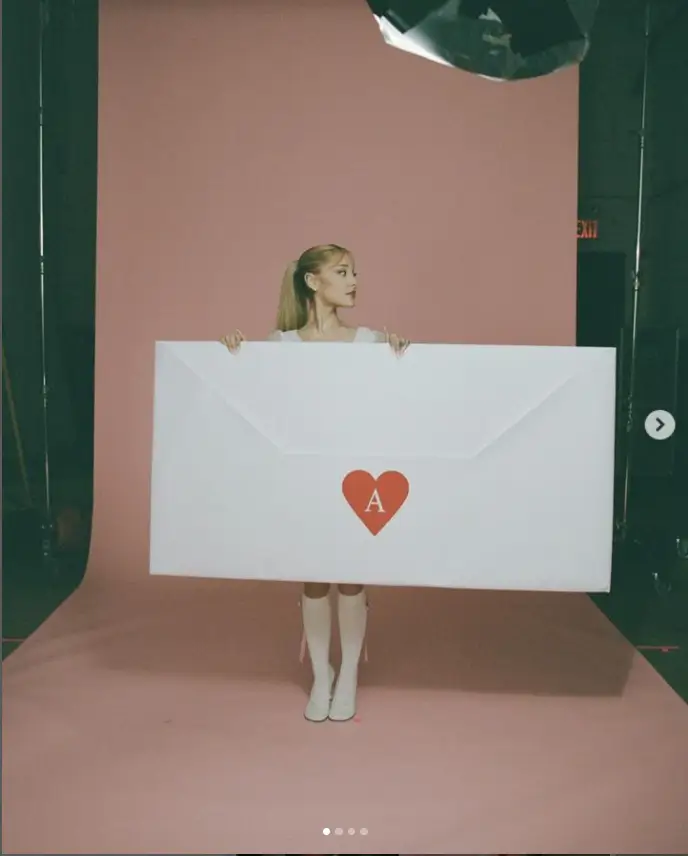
660,425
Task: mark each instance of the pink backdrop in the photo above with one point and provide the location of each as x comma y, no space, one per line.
235,134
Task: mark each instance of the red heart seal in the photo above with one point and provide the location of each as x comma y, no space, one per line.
375,501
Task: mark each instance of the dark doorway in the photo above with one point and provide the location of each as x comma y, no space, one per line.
601,298
600,315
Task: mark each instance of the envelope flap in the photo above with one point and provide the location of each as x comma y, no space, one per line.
339,399
243,395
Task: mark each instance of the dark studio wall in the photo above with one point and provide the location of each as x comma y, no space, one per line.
608,135
69,74
609,176
666,247
610,113
21,324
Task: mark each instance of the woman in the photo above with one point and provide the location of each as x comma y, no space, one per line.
321,282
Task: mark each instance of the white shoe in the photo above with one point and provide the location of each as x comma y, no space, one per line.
353,615
343,705
318,707
317,626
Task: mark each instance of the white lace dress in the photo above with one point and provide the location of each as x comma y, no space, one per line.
363,334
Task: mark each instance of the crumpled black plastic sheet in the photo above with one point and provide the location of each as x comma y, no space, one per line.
451,34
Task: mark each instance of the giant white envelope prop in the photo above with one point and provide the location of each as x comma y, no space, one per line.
501,462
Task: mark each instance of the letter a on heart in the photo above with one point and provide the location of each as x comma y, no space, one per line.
375,500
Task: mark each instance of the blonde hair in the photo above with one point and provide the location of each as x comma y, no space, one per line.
295,294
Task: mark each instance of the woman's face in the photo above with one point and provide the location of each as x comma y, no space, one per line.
335,283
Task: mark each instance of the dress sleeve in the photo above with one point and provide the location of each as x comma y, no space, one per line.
371,336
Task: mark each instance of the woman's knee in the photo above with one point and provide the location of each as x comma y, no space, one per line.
316,590
349,589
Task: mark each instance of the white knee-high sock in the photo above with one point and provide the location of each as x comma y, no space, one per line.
317,625
353,615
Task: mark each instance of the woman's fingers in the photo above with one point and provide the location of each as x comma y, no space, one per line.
233,341
397,344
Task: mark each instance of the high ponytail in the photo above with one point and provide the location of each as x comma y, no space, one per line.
292,311
295,295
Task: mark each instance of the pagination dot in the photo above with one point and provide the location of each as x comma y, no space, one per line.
326,831
364,831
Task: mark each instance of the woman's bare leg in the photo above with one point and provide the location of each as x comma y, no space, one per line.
349,590
353,615
317,625
316,590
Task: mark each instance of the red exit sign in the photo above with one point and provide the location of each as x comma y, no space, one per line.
587,230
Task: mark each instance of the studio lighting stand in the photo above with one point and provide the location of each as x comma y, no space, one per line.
622,523
47,521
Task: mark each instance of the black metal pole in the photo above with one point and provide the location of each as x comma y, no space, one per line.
630,398
47,525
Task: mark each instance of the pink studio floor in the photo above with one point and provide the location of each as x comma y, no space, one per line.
165,716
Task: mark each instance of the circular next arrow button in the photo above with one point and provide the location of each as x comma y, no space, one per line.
660,425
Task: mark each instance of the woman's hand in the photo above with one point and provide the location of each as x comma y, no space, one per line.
233,341
396,343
